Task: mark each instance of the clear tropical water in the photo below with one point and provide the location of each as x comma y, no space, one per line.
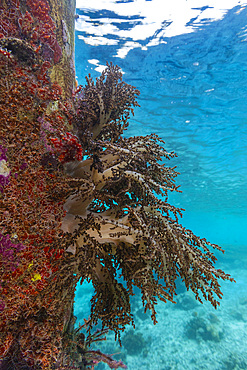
192,75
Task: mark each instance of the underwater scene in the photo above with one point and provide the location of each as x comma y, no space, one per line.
189,62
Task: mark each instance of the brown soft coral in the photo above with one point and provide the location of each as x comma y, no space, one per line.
104,107
121,218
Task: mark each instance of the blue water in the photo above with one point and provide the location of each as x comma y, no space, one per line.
193,94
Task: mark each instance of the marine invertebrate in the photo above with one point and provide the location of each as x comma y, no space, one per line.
88,357
21,49
9,261
8,253
121,218
68,148
104,107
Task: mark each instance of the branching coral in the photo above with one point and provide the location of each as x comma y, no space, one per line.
104,107
86,357
121,219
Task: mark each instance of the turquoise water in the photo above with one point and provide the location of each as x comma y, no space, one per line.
193,94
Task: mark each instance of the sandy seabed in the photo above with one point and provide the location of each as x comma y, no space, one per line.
189,335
